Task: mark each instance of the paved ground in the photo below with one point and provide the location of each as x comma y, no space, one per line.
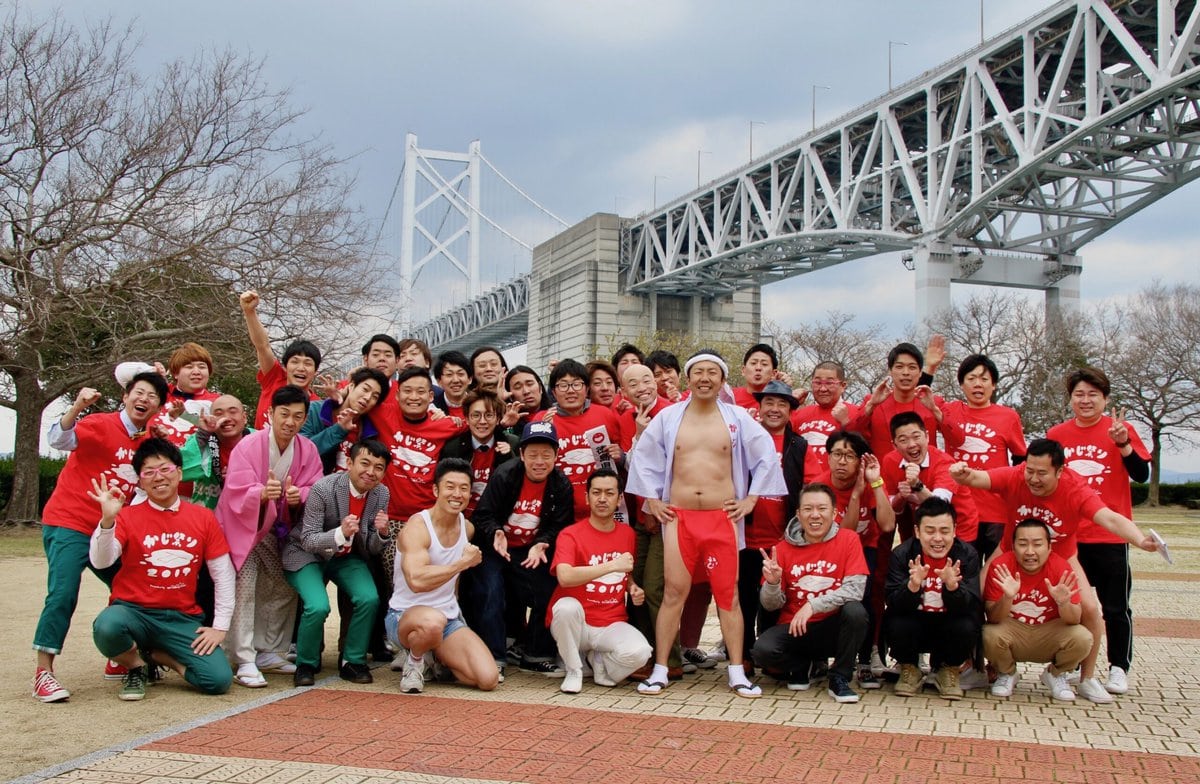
697,730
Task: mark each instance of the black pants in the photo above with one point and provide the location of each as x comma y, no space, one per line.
490,586
947,637
839,635
1107,569
755,620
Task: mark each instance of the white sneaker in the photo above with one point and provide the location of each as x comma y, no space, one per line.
1118,681
1092,690
1005,683
972,678
412,680
572,682
1060,689
718,653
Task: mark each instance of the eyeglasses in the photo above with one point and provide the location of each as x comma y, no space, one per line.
823,384
484,416
165,470
569,386
843,456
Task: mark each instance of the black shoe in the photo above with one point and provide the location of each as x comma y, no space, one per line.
355,673
305,675
546,668
383,656
839,689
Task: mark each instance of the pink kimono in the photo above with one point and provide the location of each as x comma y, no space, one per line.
243,516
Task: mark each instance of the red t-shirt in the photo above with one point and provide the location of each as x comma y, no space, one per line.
1094,456
268,384
866,525
415,447
179,428
522,525
104,452
770,514
991,435
935,475
1032,604
816,569
576,437
876,427
161,555
744,397
1063,510
603,599
815,424
932,600
483,460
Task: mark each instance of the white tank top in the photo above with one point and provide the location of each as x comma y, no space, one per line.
444,598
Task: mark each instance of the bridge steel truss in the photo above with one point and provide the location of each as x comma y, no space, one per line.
1003,162
499,317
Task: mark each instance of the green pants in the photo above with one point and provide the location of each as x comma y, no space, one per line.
353,577
122,625
66,558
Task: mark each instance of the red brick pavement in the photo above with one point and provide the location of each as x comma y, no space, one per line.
1182,628
546,744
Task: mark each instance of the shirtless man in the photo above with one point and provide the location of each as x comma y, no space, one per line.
701,465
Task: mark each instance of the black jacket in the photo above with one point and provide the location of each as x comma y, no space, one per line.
963,600
462,447
792,459
501,494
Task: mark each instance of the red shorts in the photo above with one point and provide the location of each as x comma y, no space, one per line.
708,546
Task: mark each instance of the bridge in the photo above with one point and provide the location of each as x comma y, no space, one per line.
996,168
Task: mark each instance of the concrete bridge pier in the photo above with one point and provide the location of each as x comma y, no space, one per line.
576,304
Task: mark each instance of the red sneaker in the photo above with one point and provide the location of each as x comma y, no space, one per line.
114,671
46,687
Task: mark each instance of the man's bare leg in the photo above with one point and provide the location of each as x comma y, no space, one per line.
677,583
733,628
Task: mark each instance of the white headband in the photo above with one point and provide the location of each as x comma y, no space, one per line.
687,367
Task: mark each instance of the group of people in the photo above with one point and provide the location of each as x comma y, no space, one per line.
474,517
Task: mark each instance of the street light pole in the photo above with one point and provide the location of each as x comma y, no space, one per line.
816,87
654,197
698,154
891,46
752,124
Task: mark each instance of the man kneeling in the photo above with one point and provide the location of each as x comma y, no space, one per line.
592,560
423,615
932,601
344,521
162,544
1033,612
826,575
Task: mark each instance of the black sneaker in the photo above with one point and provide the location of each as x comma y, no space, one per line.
798,679
382,655
305,675
839,689
355,673
547,668
820,670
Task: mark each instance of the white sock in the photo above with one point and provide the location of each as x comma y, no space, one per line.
737,673
416,661
659,673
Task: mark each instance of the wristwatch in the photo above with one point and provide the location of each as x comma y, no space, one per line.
917,486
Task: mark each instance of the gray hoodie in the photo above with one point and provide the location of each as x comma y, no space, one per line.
851,590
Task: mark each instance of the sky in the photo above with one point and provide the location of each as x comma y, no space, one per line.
593,106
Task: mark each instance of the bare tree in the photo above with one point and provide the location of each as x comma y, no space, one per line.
133,208
1155,367
835,338
1032,356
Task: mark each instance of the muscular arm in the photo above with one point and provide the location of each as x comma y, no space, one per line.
419,573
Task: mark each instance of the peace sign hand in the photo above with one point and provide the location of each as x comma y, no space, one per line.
772,572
